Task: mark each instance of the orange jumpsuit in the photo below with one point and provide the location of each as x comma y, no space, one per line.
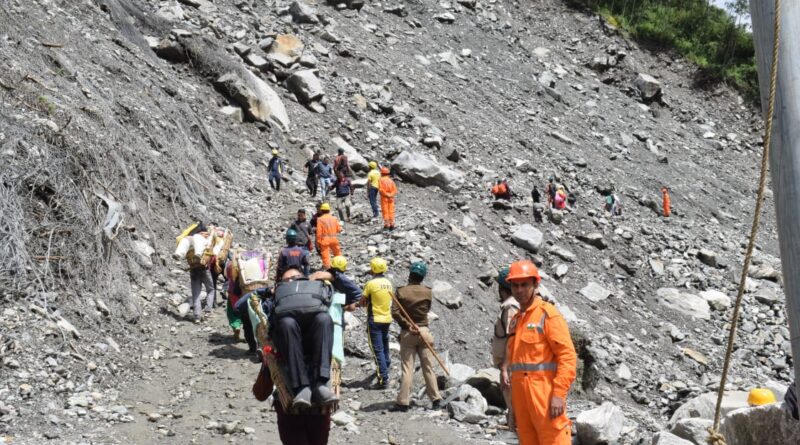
327,229
666,202
541,363
388,190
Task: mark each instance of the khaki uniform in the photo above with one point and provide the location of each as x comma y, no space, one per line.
416,300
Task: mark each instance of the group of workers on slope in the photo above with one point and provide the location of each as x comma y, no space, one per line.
323,177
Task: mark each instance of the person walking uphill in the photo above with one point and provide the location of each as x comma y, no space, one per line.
275,168
327,229
377,298
312,182
509,307
373,182
325,174
388,192
666,202
540,364
293,255
343,190
416,300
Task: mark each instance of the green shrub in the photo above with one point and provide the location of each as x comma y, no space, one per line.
703,33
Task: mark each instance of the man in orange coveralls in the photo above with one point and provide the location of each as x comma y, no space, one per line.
327,229
666,201
540,365
388,191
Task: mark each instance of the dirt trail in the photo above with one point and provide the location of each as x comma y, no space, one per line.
199,377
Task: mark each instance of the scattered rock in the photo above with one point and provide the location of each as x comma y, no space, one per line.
664,438
528,237
306,86
718,300
302,13
595,292
768,424
600,425
649,87
446,294
687,304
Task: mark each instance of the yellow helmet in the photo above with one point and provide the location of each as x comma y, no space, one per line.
325,207
760,396
339,263
274,152
378,265
373,165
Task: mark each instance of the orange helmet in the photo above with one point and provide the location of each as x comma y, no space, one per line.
384,170
523,270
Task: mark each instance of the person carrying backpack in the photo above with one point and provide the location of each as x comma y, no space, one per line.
275,169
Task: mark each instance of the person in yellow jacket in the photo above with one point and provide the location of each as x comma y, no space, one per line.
388,191
373,181
377,297
540,364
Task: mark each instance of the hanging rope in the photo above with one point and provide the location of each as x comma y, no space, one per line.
715,437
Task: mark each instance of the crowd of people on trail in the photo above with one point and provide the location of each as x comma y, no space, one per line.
559,198
298,351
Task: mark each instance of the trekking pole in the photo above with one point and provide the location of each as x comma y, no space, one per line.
427,345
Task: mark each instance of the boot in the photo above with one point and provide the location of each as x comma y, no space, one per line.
303,398
324,396
237,335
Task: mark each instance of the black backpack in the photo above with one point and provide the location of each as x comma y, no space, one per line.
301,297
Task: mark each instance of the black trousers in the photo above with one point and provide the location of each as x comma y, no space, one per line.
249,335
305,343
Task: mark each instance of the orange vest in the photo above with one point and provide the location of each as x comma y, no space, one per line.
541,344
327,226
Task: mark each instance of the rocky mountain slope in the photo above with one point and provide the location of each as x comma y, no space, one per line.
124,120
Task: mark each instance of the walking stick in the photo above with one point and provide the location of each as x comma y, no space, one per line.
427,345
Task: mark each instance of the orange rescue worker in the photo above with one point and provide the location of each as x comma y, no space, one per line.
327,229
540,365
666,202
388,191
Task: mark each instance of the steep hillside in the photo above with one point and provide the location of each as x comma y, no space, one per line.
117,129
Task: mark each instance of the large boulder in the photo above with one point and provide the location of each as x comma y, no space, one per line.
694,429
594,239
649,88
256,98
703,406
685,303
718,300
665,438
446,294
458,374
306,86
354,158
528,237
487,381
601,425
424,171
467,405
768,424
302,13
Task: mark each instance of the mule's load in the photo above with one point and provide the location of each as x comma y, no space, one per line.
251,270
